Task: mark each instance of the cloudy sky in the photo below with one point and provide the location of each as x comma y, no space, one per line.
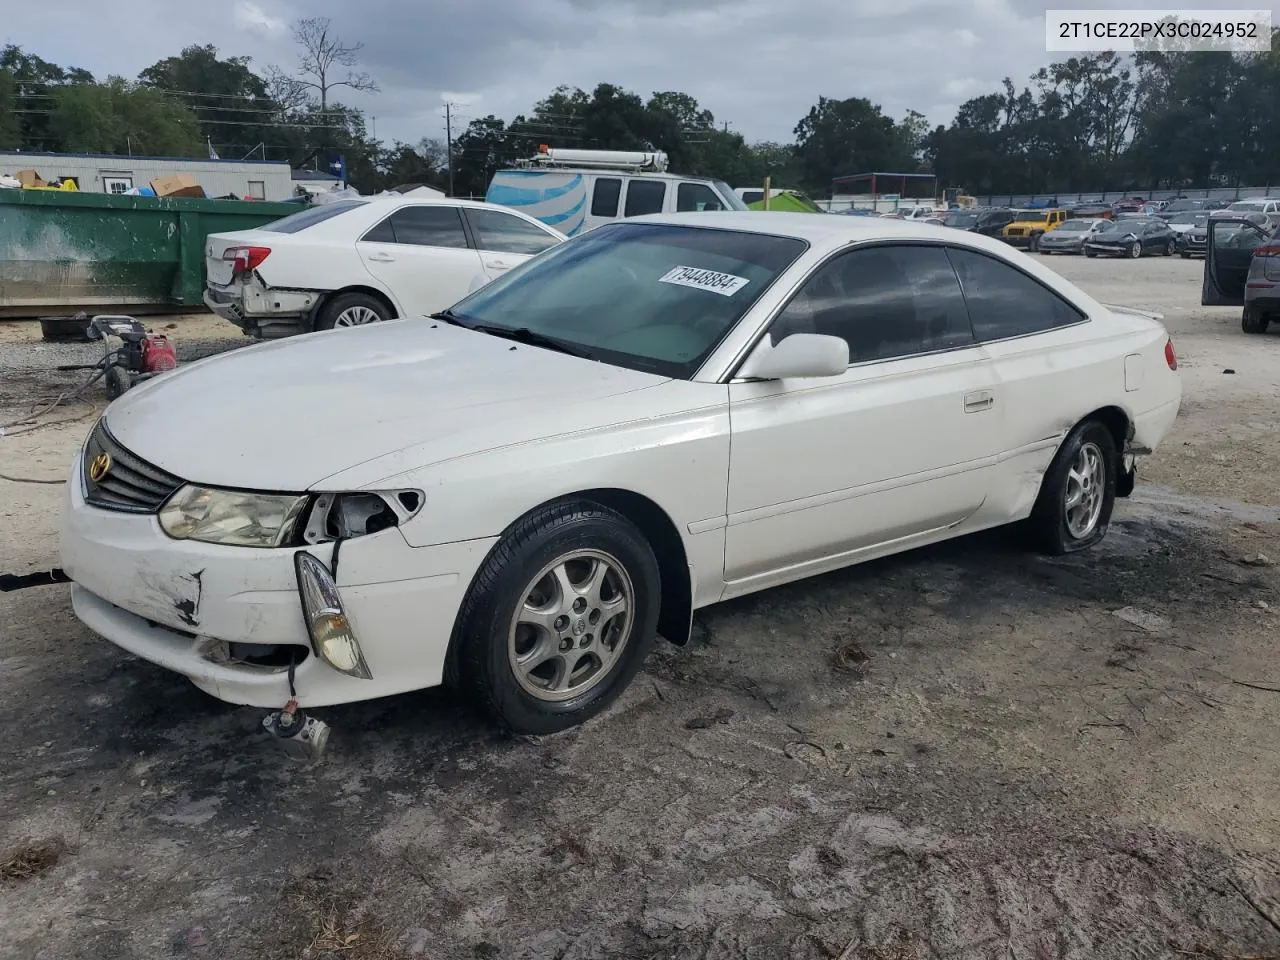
754,66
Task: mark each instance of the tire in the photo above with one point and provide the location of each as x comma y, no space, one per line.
1035,243
573,538
1253,320
1056,529
1186,255
1135,250
351,310
1090,253
1170,248
118,381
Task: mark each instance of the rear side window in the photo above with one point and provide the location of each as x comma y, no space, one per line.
429,227
885,302
502,233
604,199
645,196
1004,302
309,218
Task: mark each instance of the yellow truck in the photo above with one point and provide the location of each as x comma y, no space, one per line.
1028,226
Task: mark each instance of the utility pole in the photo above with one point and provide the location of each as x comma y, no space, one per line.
448,139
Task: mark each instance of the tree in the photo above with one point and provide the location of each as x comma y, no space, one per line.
10,130
122,118
232,102
322,58
847,136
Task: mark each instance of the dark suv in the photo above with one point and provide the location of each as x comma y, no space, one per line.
989,223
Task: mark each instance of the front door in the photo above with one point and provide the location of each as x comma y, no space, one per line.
1228,253
421,256
899,447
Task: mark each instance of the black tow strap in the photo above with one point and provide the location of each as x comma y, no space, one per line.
20,581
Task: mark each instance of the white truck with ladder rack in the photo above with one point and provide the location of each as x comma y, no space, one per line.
576,190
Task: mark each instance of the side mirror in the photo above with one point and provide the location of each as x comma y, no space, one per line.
799,355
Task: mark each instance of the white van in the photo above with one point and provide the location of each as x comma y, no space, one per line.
577,190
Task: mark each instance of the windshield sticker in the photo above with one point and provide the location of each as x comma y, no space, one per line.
725,284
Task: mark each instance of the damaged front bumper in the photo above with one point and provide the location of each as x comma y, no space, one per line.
231,618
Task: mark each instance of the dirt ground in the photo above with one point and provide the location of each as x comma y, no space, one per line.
962,752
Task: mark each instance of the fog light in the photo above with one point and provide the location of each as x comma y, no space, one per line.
327,623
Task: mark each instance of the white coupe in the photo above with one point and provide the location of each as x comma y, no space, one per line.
357,261
519,494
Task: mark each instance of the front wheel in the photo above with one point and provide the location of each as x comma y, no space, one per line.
351,310
1186,255
1135,250
1078,492
1035,243
559,619
1090,253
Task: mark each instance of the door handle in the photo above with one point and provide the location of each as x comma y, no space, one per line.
498,264
977,402
382,257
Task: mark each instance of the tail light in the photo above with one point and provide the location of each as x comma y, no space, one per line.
1170,357
245,259
1268,255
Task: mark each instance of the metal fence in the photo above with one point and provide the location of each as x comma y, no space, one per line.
1105,196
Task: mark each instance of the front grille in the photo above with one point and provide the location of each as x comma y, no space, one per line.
130,484
1014,232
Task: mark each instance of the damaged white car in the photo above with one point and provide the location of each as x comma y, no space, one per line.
519,494
363,260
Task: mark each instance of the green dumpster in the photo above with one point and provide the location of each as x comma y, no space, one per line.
65,251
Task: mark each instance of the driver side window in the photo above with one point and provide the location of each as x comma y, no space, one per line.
884,302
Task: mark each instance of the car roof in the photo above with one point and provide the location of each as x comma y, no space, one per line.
817,228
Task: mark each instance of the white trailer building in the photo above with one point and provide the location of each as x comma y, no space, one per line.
103,173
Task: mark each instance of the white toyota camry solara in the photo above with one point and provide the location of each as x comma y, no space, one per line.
519,494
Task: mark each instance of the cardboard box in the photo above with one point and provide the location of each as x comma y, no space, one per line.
178,185
29,178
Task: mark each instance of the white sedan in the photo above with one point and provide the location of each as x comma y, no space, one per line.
520,493
357,261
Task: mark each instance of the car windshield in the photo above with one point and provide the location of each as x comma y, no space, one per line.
1246,205
1116,226
731,198
1181,206
1071,226
311,216
1031,216
655,297
960,219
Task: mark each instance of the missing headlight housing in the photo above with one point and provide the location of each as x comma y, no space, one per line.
344,516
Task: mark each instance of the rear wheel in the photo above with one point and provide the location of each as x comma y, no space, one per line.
1078,492
351,310
1035,243
559,619
1254,320
1135,250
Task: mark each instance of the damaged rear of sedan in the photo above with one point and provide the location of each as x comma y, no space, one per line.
519,494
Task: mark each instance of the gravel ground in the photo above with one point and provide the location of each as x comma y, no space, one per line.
961,752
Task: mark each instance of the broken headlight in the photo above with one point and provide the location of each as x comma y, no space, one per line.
343,516
232,517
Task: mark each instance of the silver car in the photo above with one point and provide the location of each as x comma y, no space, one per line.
1070,235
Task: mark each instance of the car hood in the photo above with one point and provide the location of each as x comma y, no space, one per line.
288,414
